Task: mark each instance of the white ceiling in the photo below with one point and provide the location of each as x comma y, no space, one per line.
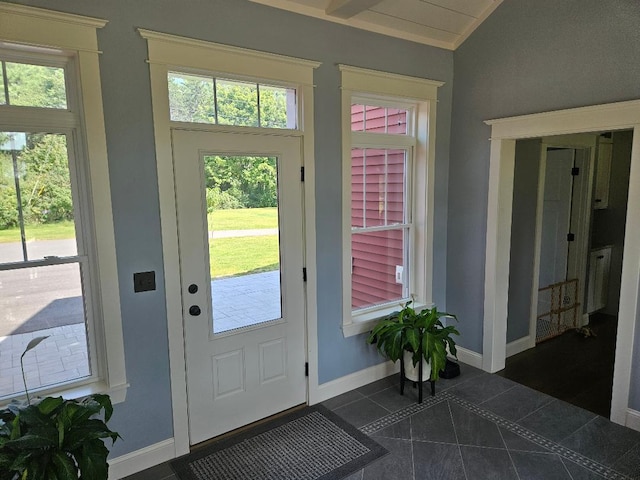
441,23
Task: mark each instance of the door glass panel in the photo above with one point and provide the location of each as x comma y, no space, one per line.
244,247
42,301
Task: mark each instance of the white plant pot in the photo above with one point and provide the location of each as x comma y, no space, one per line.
412,372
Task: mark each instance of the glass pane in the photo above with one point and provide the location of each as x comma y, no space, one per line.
277,107
39,302
396,121
374,119
357,118
191,98
36,205
244,251
378,260
36,85
378,186
357,187
237,103
3,100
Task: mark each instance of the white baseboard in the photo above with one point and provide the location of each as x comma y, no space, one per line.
142,459
354,380
469,357
520,345
633,419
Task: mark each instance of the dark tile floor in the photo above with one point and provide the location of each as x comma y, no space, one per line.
479,426
571,367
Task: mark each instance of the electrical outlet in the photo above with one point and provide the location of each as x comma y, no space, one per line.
144,281
399,273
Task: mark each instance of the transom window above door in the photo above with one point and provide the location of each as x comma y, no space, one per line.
220,101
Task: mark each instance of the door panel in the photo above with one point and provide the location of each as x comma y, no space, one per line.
244,326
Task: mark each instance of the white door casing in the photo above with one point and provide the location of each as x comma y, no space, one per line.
239,376
504,133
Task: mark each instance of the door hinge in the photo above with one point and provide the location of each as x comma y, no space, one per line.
306,369
304,274
575,171
302,174
570,237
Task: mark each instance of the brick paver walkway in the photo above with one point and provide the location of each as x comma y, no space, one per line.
61,357
237,302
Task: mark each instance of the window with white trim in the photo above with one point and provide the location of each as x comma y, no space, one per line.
57,251
196,98
388,127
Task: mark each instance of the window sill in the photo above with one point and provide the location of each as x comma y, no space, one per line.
364,322
117,393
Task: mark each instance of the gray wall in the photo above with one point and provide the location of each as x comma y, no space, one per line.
523,237
609,223
527,57
145,417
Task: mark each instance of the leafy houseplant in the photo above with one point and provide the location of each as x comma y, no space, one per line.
53,438
421,333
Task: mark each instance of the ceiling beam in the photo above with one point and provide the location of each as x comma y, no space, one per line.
349,8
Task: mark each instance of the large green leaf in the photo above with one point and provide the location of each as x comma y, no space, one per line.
37,467
92,461
47,405
65,467
105,402
88,430
33,441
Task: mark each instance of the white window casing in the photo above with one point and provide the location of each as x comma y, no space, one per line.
34,30
419,96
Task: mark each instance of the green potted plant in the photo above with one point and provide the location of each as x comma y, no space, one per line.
416,335
54,438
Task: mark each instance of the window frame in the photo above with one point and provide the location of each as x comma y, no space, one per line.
419,96
30,35
251,80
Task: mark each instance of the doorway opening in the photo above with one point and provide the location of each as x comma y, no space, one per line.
567,237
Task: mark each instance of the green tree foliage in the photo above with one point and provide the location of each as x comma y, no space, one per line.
249,181
36,85
45,187
192,99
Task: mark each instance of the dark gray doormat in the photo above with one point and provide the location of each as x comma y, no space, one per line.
309,444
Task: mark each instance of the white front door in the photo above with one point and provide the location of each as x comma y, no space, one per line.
241,277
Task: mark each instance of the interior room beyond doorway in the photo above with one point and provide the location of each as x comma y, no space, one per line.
567,239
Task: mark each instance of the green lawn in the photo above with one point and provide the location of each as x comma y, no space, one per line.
230,256
243,255
243,219
48,231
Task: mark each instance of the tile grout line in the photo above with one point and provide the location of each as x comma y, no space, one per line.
497,395
554,447
455,432
550,445
577,430
400,414
508,452
563,461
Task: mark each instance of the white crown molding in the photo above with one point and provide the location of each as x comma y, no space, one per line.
211,46
52,15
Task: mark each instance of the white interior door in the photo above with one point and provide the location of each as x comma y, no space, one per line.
241,279
556,218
